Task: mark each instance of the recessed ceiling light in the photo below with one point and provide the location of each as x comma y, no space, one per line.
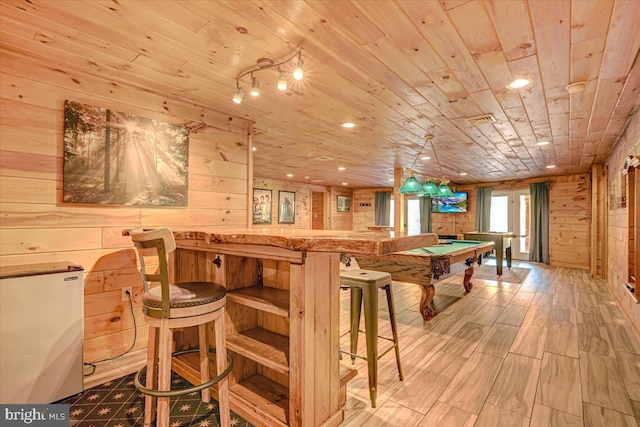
255,148
518,83
289,175
345,183
348,125
341,168
463,173
425,158
575,87
551,166
543,143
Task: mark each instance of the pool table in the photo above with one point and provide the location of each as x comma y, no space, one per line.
427,265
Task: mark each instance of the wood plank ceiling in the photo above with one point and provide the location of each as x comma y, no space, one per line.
397,69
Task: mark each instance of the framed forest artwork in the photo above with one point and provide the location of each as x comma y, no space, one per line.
114,158
344,203
261,206
286,207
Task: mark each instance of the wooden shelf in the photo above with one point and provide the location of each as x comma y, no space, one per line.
261,401
267,348
346,374
271,300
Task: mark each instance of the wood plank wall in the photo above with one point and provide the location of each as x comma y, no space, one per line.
618,226
364,207
569,216
340,220
570,221
36,227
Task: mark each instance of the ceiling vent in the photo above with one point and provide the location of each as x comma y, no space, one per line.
322,158
481,120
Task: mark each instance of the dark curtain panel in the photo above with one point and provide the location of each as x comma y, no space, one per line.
539,251
425,214
483,209
383,208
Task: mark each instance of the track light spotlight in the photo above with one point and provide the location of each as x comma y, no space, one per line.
237,98
282,80
298,72
255,86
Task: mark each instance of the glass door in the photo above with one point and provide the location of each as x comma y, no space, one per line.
511,212
412,209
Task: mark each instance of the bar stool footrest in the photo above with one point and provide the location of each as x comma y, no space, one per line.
182,391
364,357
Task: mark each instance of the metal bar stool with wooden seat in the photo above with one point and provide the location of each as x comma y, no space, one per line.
179,305
364,286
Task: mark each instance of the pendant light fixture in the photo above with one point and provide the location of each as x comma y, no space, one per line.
429,188
265,64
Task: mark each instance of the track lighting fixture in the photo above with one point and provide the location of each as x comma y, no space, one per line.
265,64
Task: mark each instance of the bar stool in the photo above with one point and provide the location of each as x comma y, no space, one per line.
179,305
364,286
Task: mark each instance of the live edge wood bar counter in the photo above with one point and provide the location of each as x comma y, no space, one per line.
283,315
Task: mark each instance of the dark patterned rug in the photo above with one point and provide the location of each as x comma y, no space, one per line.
117,403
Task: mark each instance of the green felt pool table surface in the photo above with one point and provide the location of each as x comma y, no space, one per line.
448,247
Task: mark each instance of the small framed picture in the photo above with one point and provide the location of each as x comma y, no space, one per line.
261,206
286,207
344,203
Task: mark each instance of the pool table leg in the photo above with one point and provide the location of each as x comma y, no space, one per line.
467,279
427,311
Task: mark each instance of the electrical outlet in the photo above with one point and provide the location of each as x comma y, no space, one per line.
124,296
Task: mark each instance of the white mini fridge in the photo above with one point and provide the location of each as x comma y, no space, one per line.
41,332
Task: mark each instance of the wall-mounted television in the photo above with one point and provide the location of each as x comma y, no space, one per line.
455,204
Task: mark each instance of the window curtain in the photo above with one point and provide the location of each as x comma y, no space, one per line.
539,251
483,209
425,214
383,207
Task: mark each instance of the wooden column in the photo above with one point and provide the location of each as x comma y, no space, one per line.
398,204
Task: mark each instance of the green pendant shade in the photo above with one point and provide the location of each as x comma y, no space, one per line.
410,186
429,189
444,190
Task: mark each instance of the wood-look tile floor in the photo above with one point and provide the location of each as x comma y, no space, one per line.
554,350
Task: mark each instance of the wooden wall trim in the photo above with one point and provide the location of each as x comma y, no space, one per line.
249,137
